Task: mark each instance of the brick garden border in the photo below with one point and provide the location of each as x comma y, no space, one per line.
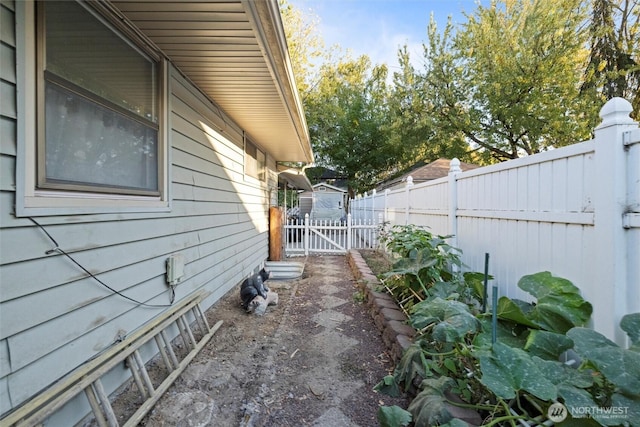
387,316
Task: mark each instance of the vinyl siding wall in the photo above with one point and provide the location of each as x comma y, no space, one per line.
52,317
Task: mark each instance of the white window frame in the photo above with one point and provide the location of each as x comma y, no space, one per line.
32,201
260,162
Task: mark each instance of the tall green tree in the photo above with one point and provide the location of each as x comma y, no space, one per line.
410,126
347,116
306,47
614,60
508,80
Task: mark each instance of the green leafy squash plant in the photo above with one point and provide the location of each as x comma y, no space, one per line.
425,266
458,376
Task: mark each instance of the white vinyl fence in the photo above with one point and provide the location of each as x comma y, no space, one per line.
573,211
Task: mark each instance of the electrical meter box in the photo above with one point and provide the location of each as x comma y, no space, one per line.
175,269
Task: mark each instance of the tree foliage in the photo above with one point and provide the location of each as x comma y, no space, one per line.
410,123
306,46
345,102
508,80
519,77
346,116
614,61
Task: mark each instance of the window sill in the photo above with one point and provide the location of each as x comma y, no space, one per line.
48,203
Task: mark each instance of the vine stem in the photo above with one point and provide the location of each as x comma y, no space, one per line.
510,418
439,354
470,406
424,288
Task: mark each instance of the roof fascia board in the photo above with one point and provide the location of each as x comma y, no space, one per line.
269,29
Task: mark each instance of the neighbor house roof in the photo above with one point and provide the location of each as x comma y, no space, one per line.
329,186
421,172
235,51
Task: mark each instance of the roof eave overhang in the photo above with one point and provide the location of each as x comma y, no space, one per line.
267,21
235,52
295,178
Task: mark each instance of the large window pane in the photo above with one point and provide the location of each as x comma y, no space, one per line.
84,51
87,144
100,103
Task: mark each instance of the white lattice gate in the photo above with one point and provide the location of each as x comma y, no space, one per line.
319,236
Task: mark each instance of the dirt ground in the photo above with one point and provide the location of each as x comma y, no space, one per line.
312,360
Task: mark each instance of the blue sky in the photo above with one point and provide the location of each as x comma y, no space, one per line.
378,27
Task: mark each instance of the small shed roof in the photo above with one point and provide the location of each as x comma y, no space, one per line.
329,187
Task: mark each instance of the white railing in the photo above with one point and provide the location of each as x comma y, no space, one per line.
319,236
573,211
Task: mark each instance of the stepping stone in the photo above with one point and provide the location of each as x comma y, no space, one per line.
334,342
329,289
329,301
330,319
334,418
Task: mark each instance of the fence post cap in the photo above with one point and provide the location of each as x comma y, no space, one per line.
373,192
409,180
454,165
387,191
616,112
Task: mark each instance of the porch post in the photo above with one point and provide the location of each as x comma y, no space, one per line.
348,232
407,189
386,205
373,206
454,169
364,206
610,204
306,234
376,232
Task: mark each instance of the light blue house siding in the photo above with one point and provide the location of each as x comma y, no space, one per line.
53,317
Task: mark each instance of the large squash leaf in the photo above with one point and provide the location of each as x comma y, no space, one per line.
393,416
630,323
475,281
429,406
547,345
413,364
630,406
516,311
507,370
571,383
389,386
559,306
562,375
507,332
416,261
452,319
575,399
620,366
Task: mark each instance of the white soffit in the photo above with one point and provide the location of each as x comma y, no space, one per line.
235,52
